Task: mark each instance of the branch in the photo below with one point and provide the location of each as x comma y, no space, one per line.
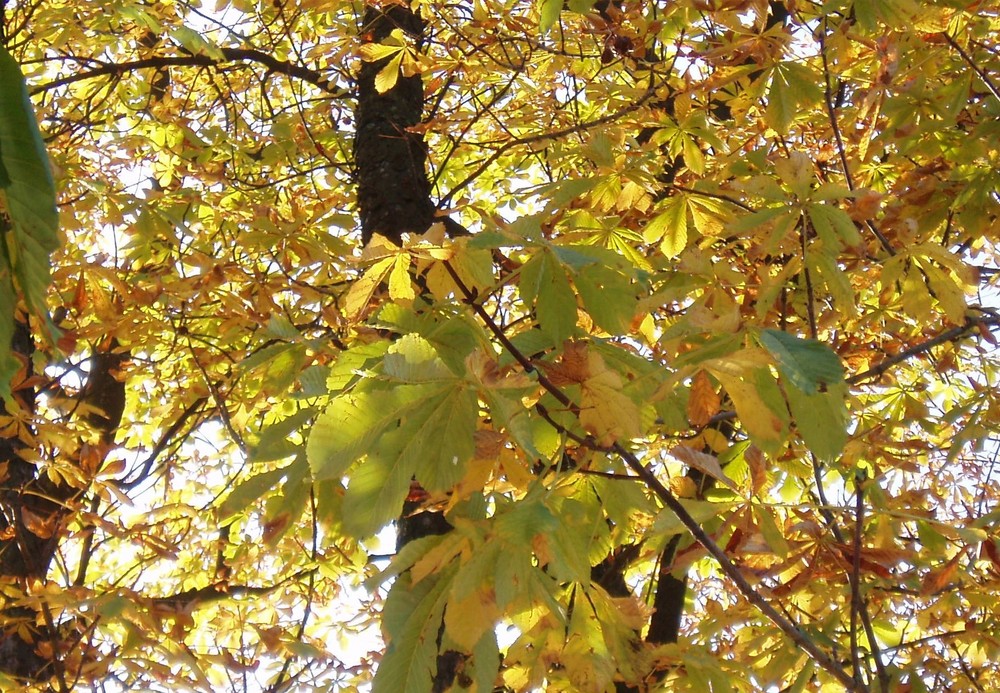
971,63
230,54
161,445
580,127
194,598
952,335
667,498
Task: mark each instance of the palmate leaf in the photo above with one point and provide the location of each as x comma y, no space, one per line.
808,364
30,202
418,420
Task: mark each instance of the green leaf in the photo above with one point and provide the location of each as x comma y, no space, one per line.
556,302
8,306
412,359
808,364
346,431
793,86
30,200
833,225
608,296
548,14
350,362
412,615
821,419
376,492
247,492
273,443
196,43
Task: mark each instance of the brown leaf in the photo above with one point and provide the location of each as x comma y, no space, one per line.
703,402
572,366
707,464
758,468
937,579
42,527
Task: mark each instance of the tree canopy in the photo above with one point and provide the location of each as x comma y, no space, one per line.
662,334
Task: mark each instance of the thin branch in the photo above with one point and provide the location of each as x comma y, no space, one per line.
161,445
855,579
800,638
971,63
832,114
952,335
541,137
230,55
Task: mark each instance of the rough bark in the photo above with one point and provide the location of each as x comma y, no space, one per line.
393,188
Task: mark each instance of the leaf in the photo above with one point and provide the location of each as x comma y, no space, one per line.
764,416
400,285
273,443
346,431
707,464
247,492
809,365
373,52
413,359
360,294
833,225
608,296
605,410
556,302
669,227
548,12
468,619
411,618
30,201
703,402
388,76
375,493
821,419
793,87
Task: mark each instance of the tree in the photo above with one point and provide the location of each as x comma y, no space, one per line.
662,333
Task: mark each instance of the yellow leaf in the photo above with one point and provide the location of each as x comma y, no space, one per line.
707,464
360,294
387,76
400,286
605,411
466,620
762,423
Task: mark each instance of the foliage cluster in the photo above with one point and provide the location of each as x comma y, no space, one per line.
704,300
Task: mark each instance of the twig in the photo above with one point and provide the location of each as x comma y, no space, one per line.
541,137
855,578
832,114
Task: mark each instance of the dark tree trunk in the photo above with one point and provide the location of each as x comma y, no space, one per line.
393,189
